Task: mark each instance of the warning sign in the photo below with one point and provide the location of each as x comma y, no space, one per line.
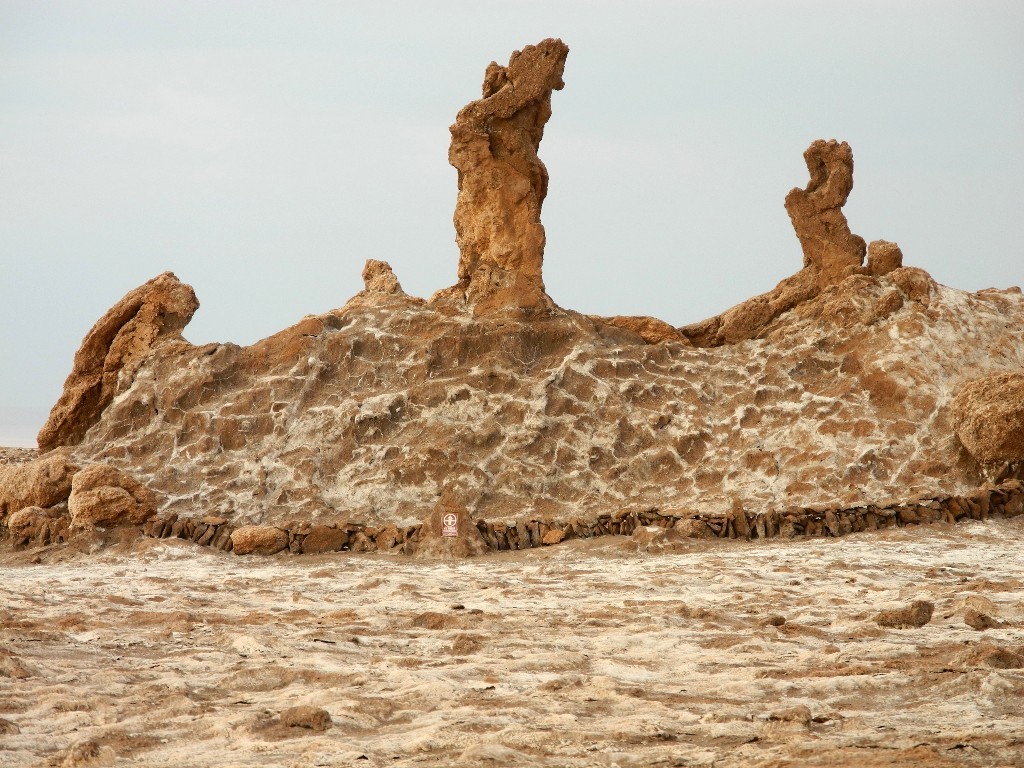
450,524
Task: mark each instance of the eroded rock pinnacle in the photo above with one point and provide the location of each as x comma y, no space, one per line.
502,182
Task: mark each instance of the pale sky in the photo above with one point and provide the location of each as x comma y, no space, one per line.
264,150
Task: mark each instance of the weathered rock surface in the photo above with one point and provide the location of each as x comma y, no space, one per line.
104,496
912,616
259,540
988,416
366,413
650,329
883,257
830,393
831,252
111,353
817,213
503,183
43,482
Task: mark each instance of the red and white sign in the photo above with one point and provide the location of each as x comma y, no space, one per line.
450,525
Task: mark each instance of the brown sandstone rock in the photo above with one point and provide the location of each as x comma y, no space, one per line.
111,353
322,538
883,257
313,718
378,277
104,496
831,252
40,483
988,416
817,215
650,329
502,182
917,614
40,526
554,536
838,395
258,540
431,542
977,620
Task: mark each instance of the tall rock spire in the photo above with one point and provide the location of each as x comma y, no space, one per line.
502,182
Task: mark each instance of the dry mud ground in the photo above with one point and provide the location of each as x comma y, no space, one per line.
159,653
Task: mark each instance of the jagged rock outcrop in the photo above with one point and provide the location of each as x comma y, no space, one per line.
831,252
104,496
344,430
111,353
503,183
988,416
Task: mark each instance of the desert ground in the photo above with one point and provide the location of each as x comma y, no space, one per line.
131,651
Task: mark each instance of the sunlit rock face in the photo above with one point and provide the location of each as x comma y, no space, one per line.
835,387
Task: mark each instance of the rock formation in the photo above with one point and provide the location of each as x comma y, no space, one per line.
360,428
830,249
502,182
104,496
831,252
106,363
988,416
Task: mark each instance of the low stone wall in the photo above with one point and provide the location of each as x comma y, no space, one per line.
1005,500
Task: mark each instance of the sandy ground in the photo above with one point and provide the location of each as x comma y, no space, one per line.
159,653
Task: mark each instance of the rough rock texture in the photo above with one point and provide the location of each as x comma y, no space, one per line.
378,277
988,416
917,614
831,252
502,183
366,413
831,392
817,213
650,329
259,540
313,718
43,482
111,353
883,257
431,541
104,496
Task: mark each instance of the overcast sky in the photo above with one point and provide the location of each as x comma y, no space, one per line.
264,150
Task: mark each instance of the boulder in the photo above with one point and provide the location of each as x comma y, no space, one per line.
988,417
258,540
112,352
104,496
883,257
40,483
503,183
42,526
